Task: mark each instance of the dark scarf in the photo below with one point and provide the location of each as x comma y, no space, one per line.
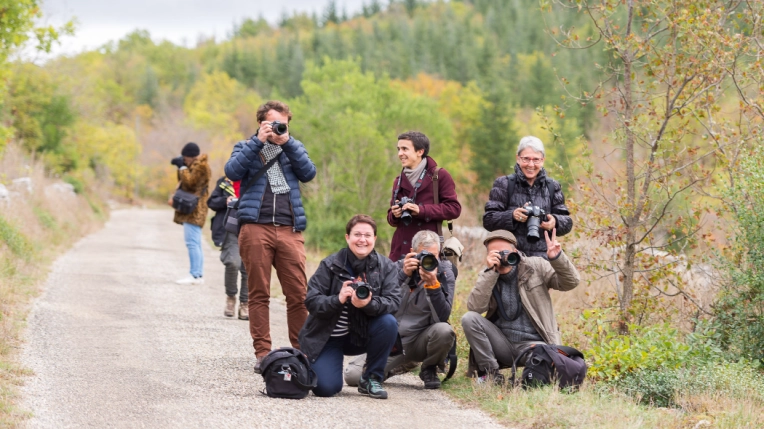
358,321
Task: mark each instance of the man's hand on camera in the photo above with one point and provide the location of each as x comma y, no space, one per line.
553,247
549,224
265,132
429,277
280,139
410,264
359,303
397,211
493,259
178,161
346,292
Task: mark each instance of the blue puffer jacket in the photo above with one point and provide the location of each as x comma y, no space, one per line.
246,161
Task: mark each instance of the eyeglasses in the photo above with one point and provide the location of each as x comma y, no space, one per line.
526,160
358,235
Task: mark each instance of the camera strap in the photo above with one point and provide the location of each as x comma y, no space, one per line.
417,185
255,179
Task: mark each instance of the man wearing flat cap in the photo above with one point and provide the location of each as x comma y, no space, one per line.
513,291
194,177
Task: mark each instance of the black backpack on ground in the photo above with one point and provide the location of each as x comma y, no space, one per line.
287,374
545,363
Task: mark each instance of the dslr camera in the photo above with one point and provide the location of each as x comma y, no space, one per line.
362,289
428,262
507,258
178,161
536,215
279,128
406,215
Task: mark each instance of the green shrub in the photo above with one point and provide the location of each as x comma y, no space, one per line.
45,218
16,241
79,185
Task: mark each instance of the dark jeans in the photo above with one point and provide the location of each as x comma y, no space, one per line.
382,332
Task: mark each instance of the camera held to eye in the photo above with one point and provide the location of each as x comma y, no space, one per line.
428,262
178,161
279,128
406,217
362,289
507,258
536,215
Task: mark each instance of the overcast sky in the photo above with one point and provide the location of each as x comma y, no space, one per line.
180,21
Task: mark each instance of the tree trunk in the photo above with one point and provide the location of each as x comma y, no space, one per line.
631,217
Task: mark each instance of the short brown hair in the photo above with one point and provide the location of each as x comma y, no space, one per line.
273,105
360,218
419,140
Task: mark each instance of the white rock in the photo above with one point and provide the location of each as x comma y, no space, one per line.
23,183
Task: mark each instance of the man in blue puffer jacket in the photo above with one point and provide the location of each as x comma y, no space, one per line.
272,219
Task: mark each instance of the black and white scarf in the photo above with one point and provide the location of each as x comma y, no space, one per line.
276,177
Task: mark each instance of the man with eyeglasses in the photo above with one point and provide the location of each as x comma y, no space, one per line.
528,186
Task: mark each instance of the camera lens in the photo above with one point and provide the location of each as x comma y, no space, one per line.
362,291
406,218
533,229
279,128
428,262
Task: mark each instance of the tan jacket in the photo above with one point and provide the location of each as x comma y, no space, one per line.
535,277
195,179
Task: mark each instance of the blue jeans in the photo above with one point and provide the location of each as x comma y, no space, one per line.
193,236
382,332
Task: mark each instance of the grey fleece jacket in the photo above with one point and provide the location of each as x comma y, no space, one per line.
414,314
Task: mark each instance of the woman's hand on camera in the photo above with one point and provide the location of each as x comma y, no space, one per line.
549,224
359,303
413,208
346,292
520,214
410,264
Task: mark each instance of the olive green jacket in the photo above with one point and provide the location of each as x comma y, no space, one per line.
535,277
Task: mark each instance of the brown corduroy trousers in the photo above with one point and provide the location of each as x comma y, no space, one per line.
262,247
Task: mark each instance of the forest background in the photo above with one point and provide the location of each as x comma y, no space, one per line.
650,112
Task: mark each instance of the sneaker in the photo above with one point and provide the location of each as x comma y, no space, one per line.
190,280
230,305
429,375
243,311
492,376
258,361
372,387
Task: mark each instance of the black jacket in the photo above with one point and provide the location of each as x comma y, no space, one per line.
415,314
217,202
324,305
499,208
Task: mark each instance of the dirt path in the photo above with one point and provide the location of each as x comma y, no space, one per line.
114,342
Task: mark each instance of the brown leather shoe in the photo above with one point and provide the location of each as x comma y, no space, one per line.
230,305
243,311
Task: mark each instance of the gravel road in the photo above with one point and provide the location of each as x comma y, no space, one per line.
114,342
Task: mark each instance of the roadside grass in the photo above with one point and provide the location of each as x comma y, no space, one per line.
718,395
35,227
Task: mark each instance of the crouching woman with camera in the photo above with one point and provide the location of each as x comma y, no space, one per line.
351,300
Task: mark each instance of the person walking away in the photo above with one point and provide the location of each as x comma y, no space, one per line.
221,197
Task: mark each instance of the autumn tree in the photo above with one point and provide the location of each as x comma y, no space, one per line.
662,91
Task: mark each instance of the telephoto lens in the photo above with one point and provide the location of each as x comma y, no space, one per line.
427,261
279,128
362,290
535,215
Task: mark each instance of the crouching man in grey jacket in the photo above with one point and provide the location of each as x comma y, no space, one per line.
426,300
516,300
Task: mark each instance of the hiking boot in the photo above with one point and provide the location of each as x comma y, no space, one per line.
243,311
372,387
230,306
492,376
258,361
190,280
429,374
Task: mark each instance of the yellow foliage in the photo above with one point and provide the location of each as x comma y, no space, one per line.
111,146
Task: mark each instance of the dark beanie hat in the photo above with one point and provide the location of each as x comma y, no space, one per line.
190,150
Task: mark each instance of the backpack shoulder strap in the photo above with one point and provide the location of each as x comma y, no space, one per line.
550,187
511,179
436,198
